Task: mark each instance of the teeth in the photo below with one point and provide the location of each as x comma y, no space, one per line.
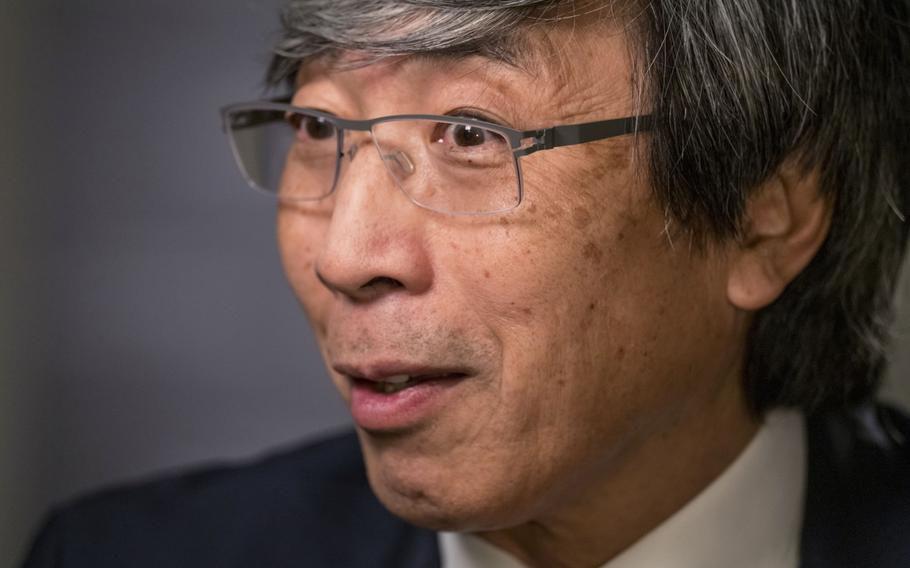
393,384
397,379
397,383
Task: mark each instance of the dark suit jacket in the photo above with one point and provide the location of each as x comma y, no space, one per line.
312,507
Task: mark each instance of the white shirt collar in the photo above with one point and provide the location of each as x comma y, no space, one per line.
749,517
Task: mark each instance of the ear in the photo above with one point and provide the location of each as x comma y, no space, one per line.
787,220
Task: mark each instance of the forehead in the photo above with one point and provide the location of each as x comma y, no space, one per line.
559,72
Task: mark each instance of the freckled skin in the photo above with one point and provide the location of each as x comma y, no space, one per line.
592,252
602,354
581,217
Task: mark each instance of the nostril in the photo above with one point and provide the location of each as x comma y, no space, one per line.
383,282
350,285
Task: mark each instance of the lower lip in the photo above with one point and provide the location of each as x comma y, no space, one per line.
401,410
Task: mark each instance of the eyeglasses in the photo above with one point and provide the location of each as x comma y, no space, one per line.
450,164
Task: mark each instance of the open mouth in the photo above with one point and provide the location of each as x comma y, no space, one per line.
398,383
393,396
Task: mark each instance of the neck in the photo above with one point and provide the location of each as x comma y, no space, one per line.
642,488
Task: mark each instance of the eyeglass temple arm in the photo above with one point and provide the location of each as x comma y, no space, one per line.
570,134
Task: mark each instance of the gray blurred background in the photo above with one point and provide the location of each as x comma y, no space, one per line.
144,321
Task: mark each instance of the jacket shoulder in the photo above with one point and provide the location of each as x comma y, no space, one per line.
858,495
307,503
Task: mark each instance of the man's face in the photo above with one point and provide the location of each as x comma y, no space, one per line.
557,345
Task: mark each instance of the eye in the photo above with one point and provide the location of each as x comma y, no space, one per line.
318,127
466,136
315,127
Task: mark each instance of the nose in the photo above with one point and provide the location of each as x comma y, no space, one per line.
375,243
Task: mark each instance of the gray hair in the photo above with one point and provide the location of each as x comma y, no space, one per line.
380,28
823,83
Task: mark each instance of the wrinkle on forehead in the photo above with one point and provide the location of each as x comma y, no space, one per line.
573,77
573,60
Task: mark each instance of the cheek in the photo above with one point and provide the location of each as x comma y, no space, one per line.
551,264
298,242
545,285
578,289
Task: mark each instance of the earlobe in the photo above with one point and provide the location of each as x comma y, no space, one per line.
786,222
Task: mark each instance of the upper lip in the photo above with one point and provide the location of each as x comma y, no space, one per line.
380,371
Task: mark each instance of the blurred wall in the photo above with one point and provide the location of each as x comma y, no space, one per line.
143,296
145,321
17,457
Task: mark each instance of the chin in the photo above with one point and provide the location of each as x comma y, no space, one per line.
427,514
442,498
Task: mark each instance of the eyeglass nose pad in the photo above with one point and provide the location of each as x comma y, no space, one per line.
399,162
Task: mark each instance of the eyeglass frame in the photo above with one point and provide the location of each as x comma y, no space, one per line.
541,139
